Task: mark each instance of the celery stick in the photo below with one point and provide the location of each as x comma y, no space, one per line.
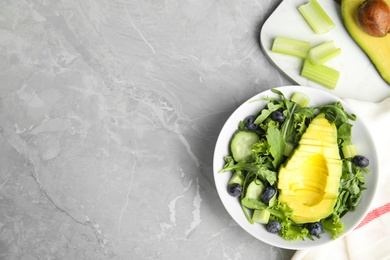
321,74
290,46
316,17
301,99
261,216
288,149
349,151
322,53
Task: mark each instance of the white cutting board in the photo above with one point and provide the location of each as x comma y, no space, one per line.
358,77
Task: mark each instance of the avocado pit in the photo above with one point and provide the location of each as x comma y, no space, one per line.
373,17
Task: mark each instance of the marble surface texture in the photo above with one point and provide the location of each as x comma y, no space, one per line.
109,113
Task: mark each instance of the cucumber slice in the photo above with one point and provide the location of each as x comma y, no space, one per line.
241,144
236,178
261,216
254,190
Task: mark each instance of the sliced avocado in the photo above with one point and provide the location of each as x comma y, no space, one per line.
376,48
310,179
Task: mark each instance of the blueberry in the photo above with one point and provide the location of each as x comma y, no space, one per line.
361,161
249,123
315,229
278,116
274,227
268,193
235,189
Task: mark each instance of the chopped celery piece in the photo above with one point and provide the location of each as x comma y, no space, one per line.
288,149
321,74
316,17
349,151
261,216
301,99
290,46
322,53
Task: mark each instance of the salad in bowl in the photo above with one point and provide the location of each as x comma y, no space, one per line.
295,167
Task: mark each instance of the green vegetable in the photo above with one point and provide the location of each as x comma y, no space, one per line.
236,178
316,17
289,147
349,151
321,74
261,216
333,225
276,145
241,143
255,188
301,99
290,46
260,168
322,53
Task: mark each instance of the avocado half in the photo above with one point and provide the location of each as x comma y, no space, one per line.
309,180
376,48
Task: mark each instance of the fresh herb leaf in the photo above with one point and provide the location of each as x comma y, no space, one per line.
255,167
265,113
276,144
335,113
292,232
334,225
344,133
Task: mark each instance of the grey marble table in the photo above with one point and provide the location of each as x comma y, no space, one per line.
109,113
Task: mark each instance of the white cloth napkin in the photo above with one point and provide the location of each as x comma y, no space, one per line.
371,239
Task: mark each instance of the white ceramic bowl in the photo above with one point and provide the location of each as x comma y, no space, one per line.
360,137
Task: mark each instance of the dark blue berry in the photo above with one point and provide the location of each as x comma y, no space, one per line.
278,116
235,189
315,229
268,193
361,161
274,227
249,123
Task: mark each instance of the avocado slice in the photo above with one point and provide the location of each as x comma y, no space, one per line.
376,48
309,181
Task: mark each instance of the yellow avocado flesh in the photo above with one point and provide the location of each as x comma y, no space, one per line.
376,48
309,181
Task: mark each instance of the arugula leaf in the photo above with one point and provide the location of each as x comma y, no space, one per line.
265,113
335,113
351,188
344,134
276,144
256,167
